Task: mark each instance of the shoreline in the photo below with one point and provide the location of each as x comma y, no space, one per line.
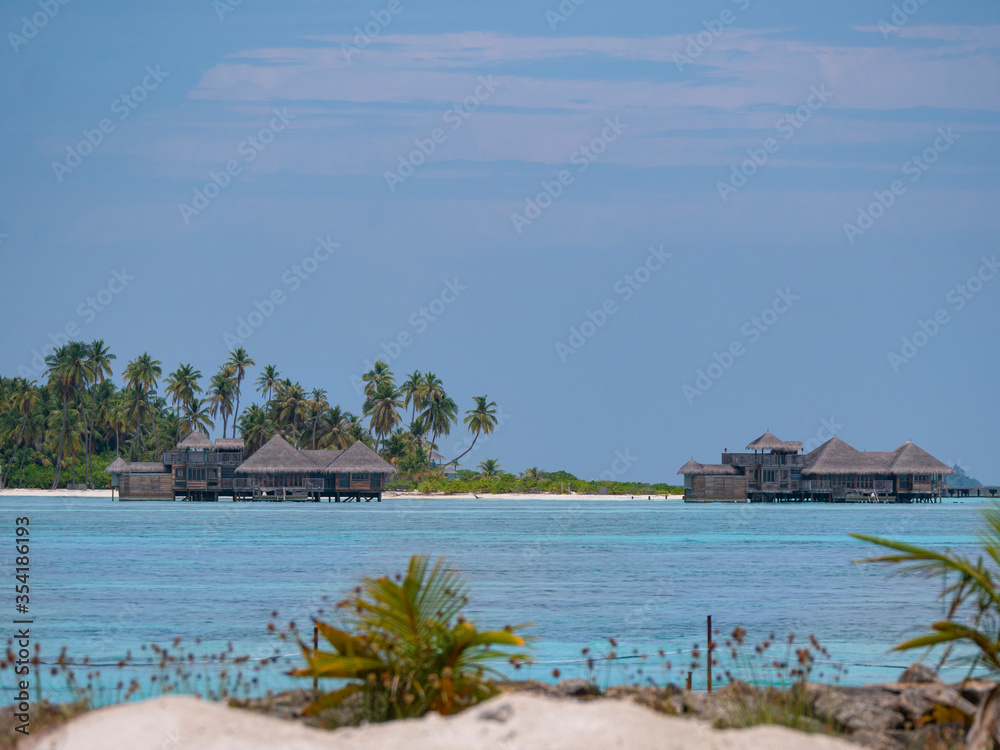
106,494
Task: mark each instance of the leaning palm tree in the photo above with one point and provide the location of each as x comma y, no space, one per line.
266,382
972,592
238,362
481,419
382,407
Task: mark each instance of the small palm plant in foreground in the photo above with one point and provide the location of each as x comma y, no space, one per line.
407,649
972,592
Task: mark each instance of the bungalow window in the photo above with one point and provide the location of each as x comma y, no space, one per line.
359,476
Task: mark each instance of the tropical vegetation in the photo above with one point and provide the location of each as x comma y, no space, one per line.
406,648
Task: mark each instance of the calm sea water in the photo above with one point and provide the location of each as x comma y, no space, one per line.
107,577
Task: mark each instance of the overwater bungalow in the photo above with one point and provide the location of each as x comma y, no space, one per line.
775,470
198,469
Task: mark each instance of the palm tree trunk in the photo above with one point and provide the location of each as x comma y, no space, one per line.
20,434
315,420
986,726
156,436
20,479
86,448
62,436
456,460
237,413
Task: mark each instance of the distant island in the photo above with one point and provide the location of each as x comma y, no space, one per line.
65,432
961,479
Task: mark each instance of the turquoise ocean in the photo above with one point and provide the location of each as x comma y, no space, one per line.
107,577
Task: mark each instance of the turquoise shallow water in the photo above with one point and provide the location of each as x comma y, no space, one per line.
107,577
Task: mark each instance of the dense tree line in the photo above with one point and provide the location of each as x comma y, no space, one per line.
82,418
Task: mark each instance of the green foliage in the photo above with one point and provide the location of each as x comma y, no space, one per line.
971,592
473,482
406,649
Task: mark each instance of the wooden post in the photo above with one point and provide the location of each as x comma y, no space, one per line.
315,649
710,653
689,682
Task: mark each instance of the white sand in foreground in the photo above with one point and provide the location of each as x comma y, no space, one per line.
511,722
55,493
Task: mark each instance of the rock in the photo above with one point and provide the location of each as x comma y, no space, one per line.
530,722
918,673
861,709
975,691
915,704
576,688
877,741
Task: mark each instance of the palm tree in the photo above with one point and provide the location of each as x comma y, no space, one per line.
221,395
532,473
317,405
141,376
69,370
99,358
196,416
254,427
410,390
182,386
489,468
382,407
376,377
480,419
238,362
23,400
266,382
418,430
292,405
440,413
335,427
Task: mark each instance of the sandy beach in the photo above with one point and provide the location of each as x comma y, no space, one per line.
386,496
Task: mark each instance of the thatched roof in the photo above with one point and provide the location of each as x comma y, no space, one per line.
274,456
277,455
118,466
359,457
768,442
229,444
196,440
323,458
911,459
696,469
837,457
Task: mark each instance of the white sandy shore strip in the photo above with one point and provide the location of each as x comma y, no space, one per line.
521,722
106,494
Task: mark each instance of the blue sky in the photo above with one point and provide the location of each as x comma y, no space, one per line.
646,230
